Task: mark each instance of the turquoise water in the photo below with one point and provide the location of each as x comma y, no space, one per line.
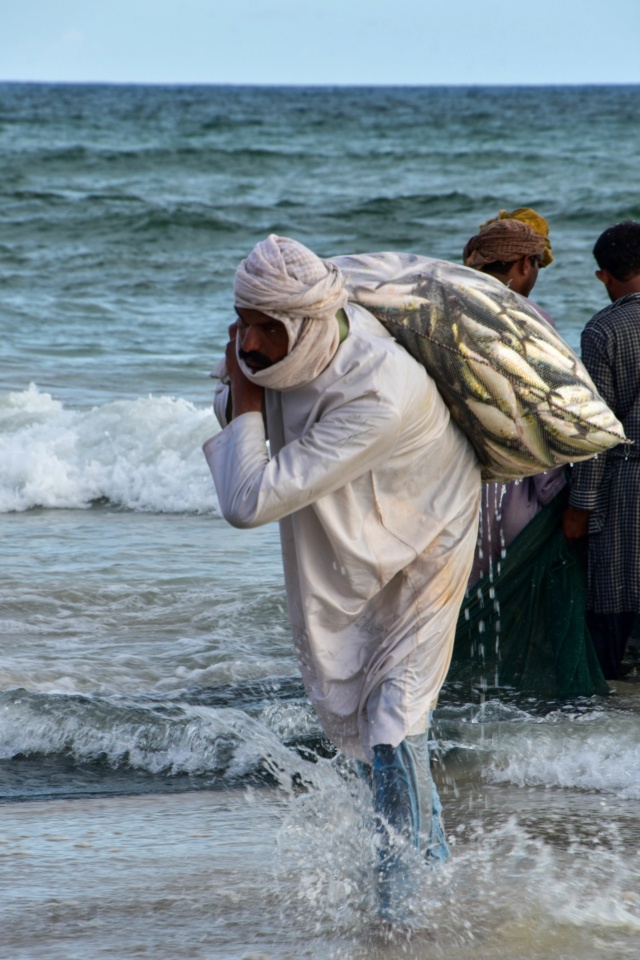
153,734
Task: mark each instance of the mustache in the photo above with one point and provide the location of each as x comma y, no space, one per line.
254,357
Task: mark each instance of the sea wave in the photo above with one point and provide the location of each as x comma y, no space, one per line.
266,731
598,754
166,737
594,748
142,454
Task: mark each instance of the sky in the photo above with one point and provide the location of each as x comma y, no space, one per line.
333,42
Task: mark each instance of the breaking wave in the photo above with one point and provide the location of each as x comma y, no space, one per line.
143,454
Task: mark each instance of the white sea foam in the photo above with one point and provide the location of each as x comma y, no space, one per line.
143,454
600,754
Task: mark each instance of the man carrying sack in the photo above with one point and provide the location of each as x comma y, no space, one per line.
377,492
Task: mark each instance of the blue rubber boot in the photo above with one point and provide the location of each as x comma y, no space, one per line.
408,821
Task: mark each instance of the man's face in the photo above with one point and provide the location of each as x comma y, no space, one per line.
531,269
262,340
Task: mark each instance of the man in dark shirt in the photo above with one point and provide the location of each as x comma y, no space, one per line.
605,492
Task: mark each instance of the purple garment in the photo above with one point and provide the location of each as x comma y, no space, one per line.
506,508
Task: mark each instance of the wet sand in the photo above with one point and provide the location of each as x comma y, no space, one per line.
257,875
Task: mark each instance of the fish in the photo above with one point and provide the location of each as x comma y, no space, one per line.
533,438
493,420
507,359
519,392
476,303
475,384
535,324
479,330
398,298
585,447
539,351
564,430
576,393
506,465
472,355
497,385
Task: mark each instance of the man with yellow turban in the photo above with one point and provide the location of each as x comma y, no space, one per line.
377,492
520,540
532,219
512,247
509,250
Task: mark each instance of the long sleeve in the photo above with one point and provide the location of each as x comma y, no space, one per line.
346,443
222,403
588,475
548,485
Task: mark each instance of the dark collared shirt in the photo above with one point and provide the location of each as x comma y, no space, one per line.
609,485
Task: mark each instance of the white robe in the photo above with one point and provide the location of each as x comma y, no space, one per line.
377,493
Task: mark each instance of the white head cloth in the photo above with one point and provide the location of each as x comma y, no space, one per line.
285,280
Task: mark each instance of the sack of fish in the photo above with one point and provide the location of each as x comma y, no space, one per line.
521,395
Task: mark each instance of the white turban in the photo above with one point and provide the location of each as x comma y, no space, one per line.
285,280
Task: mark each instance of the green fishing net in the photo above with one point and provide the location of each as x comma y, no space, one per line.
522,627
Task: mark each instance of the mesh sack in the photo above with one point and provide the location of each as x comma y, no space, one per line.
519,392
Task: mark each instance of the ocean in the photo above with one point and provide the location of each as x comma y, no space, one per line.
165,787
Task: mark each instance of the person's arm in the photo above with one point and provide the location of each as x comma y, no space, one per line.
548,485
575,523
587,476
233,383
346,443
222,406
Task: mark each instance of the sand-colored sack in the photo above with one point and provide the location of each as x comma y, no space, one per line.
518,391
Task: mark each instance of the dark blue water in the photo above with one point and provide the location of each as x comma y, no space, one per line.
126,209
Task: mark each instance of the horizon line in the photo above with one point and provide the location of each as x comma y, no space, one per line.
324,85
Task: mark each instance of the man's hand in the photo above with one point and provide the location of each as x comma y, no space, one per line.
246,397
575,523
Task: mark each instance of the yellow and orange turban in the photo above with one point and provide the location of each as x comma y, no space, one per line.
502,241
532,219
